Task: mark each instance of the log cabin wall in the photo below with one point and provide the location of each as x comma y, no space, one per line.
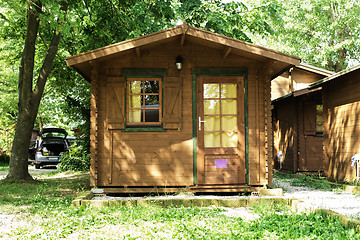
341,125
309,133
122,158
285,134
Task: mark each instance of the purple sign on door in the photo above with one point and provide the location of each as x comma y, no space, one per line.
220,163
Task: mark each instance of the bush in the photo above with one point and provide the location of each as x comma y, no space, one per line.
4,158
77,159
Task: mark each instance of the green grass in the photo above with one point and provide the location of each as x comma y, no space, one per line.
43,211
4,166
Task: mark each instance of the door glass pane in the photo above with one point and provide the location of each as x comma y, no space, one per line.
212,139
228,90
211,90
135,86
229,123
135,115
228,107
229,139
211,107
212,123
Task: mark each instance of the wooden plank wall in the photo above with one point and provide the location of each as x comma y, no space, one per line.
310,147
166,158
281,86
342,126
285,137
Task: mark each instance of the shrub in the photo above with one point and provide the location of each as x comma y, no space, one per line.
4,158
77,159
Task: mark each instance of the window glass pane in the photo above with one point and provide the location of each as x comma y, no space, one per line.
228,106
212,123
135,115
211,90
319,118
151,101
228,90
135,101
151,115
211,107
151,86
135,86
229,123
229,139
212,139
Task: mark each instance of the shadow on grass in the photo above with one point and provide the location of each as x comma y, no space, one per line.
41,193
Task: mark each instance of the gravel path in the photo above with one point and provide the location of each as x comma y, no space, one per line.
340,202
33,172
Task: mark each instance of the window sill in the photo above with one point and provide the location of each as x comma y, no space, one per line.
144,129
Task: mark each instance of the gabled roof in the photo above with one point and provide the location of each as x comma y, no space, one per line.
314,69
333,77
281,61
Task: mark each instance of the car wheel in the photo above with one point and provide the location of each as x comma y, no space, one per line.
37,166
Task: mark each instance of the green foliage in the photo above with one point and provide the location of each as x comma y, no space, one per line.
233,19
323,33
77,159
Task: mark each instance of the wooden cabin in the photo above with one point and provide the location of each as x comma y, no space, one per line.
297,119
341,99
181,108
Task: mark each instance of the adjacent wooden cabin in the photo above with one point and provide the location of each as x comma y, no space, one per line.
341,99
297,118
181,108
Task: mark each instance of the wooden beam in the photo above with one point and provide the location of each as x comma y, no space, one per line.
226,53
182,41
138,52
184,28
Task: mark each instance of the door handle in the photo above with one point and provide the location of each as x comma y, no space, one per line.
200,123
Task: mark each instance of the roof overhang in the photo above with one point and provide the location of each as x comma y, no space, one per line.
297,93
279,61
333,77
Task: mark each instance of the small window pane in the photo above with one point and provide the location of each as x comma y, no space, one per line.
229,139
319,118
212,123
228,90
135,101
228,106
151,101
212,139
135,115
151,86
135,87
211,90
211,107
229,123
151,115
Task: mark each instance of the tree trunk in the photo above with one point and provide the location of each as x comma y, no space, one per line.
29,99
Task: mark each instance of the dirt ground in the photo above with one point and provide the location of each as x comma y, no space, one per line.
33,172
340,202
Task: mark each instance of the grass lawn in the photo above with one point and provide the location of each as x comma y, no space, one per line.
4,166
42,210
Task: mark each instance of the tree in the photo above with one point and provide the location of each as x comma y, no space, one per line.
233,19
323,33
30,93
